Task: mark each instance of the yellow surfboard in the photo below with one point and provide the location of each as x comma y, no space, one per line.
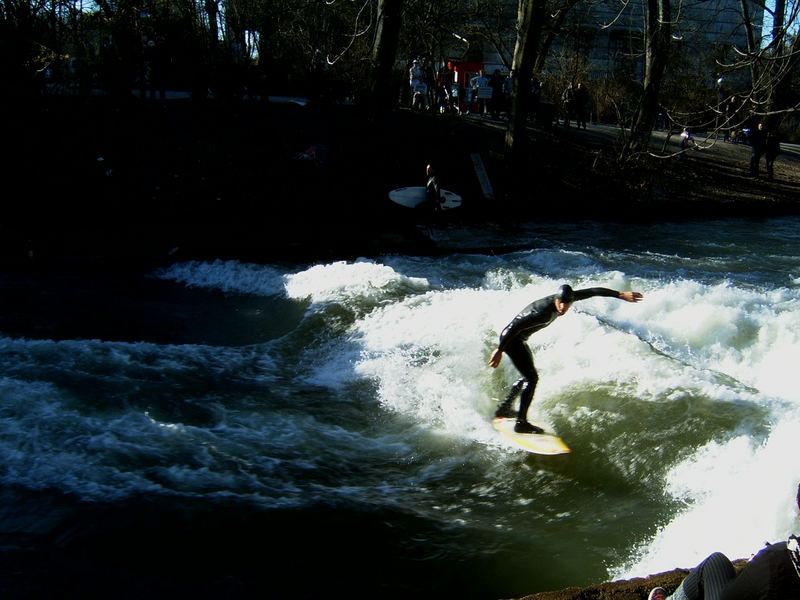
536,443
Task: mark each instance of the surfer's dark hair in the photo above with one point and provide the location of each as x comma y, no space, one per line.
566,293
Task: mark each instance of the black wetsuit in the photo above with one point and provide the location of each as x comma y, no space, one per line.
537,315
433,195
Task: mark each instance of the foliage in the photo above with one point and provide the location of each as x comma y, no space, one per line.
238,48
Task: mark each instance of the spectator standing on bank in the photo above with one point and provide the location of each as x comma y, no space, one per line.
415,79
568,103
772,148
429,78
476,83
444,89
496,102
687,139
731,106
758,141
581,105
508,91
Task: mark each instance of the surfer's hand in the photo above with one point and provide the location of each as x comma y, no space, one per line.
494,359
631,296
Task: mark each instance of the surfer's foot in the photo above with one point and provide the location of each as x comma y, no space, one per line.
657,593
505,412
525,427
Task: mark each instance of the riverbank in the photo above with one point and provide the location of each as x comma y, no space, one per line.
280,181
632,589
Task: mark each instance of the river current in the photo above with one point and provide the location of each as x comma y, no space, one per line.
300,430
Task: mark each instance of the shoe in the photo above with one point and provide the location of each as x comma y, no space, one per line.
657,593
525,427
505,412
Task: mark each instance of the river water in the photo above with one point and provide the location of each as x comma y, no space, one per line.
228,429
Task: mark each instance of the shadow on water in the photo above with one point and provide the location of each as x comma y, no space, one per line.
202,549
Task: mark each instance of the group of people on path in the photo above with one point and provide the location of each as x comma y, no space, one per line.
764,141
421,84
491,95
576,104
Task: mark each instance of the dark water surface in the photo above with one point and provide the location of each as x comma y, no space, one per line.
224,429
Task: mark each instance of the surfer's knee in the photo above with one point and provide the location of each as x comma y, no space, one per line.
531,379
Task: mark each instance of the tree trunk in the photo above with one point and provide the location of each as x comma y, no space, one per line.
384,53
212,11
781,94
530,14
657,41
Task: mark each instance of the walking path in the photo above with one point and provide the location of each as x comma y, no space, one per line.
714,171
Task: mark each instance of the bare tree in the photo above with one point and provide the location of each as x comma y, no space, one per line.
554,22
530,15
657,43
384,54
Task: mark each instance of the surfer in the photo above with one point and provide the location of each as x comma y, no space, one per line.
431,209
433,194
537,315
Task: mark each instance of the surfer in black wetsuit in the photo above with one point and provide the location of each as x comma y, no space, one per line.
433,195
537,315
431,209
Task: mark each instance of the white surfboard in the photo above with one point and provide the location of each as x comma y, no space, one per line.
415,195
536,443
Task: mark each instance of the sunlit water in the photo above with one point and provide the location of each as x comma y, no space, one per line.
328,425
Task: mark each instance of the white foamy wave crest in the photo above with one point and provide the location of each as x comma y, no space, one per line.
740,494
228,276
427,355
568,264
747,334
342,281
505,279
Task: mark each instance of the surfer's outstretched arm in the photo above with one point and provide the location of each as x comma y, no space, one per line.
606,292
495,358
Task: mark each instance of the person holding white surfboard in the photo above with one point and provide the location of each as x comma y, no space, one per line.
537,315
433,194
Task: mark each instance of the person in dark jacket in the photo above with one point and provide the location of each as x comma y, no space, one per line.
433,195
757,141
582,105
772,574
772,147
537,315
430,210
